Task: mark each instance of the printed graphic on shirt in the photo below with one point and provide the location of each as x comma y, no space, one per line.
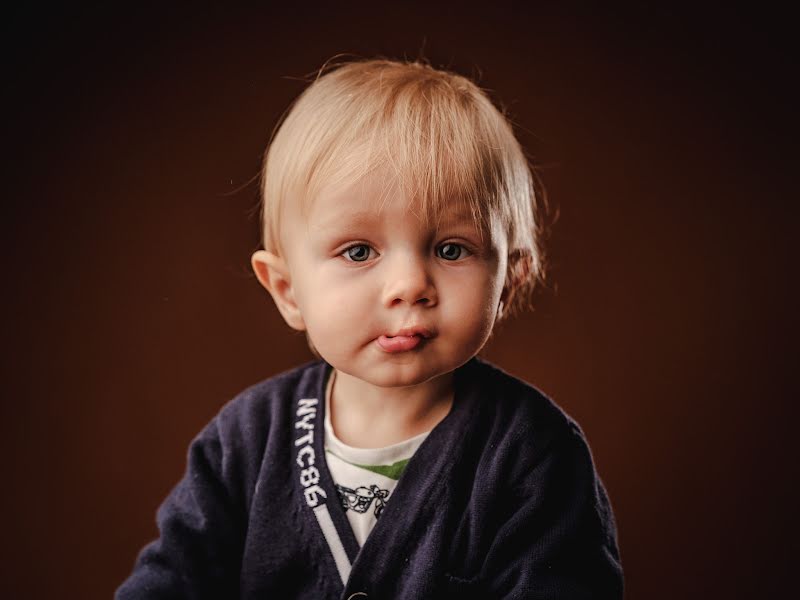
360,499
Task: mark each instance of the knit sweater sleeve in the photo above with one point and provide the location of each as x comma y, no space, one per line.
559,537
201,525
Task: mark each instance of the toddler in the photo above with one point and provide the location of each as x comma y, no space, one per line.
399,227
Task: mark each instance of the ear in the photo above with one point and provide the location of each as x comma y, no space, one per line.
520,265
272,272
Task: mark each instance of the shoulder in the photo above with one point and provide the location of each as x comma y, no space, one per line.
538,447
237,439
525,426
257,408
517,405
536,474
274,393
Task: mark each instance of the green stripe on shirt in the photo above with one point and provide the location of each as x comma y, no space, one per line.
392,471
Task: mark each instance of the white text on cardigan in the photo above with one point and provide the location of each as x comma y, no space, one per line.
309,474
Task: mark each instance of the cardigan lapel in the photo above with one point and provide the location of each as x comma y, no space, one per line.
317,492
421,487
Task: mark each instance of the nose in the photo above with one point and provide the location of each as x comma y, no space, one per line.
408,281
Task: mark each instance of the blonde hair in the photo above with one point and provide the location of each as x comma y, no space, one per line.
437,132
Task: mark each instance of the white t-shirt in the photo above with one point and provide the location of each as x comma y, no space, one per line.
365,477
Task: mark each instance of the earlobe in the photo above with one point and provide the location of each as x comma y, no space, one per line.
273,274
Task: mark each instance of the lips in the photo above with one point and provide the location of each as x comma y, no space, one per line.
404,340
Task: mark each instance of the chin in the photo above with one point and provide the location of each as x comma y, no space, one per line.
402,375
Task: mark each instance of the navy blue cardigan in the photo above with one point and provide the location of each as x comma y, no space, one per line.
502,500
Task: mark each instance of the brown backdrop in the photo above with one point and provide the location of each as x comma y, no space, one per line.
132,140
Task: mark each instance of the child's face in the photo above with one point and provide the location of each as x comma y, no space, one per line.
359,276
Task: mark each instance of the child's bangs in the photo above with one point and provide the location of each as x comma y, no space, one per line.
434,149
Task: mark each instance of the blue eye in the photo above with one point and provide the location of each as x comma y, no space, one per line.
449,251
358,253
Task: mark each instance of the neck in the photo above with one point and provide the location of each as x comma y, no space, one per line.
368,416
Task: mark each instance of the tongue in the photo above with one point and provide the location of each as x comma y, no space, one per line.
398,343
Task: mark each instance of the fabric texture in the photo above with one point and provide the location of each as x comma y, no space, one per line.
501,500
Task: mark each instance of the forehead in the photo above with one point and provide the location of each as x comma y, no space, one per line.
377,198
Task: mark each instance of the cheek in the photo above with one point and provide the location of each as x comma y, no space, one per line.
331,304
474,304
